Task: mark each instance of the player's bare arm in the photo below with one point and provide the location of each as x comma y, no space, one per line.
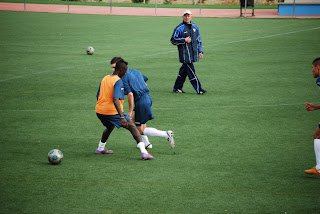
312,107
130,103
124,122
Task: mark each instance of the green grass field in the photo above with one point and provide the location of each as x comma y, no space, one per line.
240,148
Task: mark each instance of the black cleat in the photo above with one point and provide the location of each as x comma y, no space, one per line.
202,91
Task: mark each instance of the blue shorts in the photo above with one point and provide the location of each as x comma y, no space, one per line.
111,120
142,109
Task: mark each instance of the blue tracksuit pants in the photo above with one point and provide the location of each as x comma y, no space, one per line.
187,69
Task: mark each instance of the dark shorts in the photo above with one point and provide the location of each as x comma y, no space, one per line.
111,120
142,109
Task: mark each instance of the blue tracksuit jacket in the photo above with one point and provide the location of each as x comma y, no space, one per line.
188,52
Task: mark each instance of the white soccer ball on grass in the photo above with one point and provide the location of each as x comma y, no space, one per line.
90,50
55,156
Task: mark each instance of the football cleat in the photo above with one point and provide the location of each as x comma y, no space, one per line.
202,91
146,156
149,146
104,151
179,91
170,138
312,171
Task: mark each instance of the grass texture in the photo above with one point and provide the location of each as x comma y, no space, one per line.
240,148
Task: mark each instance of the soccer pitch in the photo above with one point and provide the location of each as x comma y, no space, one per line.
240,148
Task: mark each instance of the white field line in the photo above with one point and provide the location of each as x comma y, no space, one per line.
162,53
162,108
242,40
264,37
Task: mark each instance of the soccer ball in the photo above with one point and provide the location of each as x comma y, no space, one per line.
90,50
55,156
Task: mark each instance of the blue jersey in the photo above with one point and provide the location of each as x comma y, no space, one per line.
134,81
318,81
188,52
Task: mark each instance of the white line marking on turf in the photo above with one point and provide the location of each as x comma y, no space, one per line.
156,108
264,37
46,71
237,41
224,107
161,53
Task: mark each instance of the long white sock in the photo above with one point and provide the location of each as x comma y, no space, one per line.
101,146
142,147
317,151
152,132
145,139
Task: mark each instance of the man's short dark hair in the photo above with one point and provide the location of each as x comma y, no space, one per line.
316,62
115,59
121,64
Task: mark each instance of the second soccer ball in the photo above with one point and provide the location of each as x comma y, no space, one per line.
90,50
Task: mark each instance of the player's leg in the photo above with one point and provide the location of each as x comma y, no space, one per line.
178,85
134,131
105,135
317,147
316,169
194,79
140,128
144,137
136,135
153,132
144,114
102,144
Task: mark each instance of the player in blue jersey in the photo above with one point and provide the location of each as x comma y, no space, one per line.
311,107
109,110
136,89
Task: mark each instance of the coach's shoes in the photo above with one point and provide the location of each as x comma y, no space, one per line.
202,91
312,171
146,156
179,91
104,151
170,138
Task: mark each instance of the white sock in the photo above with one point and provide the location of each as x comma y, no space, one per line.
317,151
142,147
152,132
145,139
101,146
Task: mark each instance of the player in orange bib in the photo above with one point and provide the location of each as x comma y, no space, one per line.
109,110
312,107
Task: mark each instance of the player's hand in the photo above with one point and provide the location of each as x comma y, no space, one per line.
130,114
124,123
188,39
311,107
200,55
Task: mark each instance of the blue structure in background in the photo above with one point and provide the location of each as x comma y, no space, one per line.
300,9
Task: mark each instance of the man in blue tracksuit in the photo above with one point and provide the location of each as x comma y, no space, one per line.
187,38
